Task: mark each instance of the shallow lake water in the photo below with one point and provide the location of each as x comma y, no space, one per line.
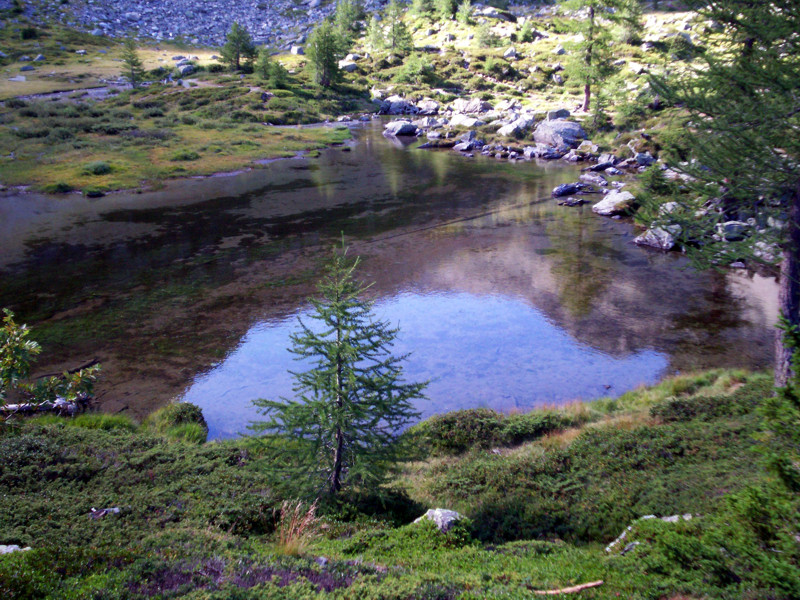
503,298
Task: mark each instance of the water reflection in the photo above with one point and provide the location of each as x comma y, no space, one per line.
161,286
493,351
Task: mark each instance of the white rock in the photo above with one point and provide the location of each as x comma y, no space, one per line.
443,518
614,203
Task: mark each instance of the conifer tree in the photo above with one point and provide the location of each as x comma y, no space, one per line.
446,9
376,39
238,47
591,60
347,18
134,70
743,116
324,48
271,71
422,8
464,13
352,402
398,37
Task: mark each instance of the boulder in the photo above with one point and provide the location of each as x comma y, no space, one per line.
644,159
565,189
732,231
615,203
495,13
27,68
186,70
469,107
298,50
518,127
510,53
561,113
348,66
443,518
397,105
594,179
400,128
658,238
559,134
465,121
464,146
559,50
428,107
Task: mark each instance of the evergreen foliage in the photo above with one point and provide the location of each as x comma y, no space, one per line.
422,8
376,40
238,48
324,48
133,68
464,13
743,116
347,18
446,9
591,59
343,429
271,71
398,37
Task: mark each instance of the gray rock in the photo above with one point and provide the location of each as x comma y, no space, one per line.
645,159
27,68
658,238
732,231
565,189
297,50
464,146
443,518
469,107
559,50
559,133
594,179
518,127
434,135
39,58
615,203
400,128
24,58
561,113
558,79
428,107
187,69
465,121
510,53
469,136
348,66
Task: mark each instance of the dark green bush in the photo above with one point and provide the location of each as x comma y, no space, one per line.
184,155
175,415
58,188
98,167
462,430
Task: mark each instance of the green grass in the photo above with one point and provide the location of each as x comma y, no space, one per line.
197,520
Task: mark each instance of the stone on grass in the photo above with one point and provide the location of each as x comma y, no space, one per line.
443,518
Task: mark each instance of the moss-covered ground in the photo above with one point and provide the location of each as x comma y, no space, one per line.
543,498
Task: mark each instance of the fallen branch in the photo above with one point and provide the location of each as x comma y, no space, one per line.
569,590
91,363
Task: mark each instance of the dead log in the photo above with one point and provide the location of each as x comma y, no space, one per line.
569,590
91,363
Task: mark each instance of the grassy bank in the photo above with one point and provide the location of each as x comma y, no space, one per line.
543,491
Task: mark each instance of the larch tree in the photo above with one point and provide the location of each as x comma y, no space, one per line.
238,47
740,109
591,59
133,67
352,403
324,48
398,37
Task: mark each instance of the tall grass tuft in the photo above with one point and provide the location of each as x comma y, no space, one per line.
297,527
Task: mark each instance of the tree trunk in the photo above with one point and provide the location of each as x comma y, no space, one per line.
587,89
789,292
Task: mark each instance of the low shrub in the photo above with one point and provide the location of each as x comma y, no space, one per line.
58,188
175,415
97,167
184,155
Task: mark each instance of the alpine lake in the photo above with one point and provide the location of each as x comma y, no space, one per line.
503,298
